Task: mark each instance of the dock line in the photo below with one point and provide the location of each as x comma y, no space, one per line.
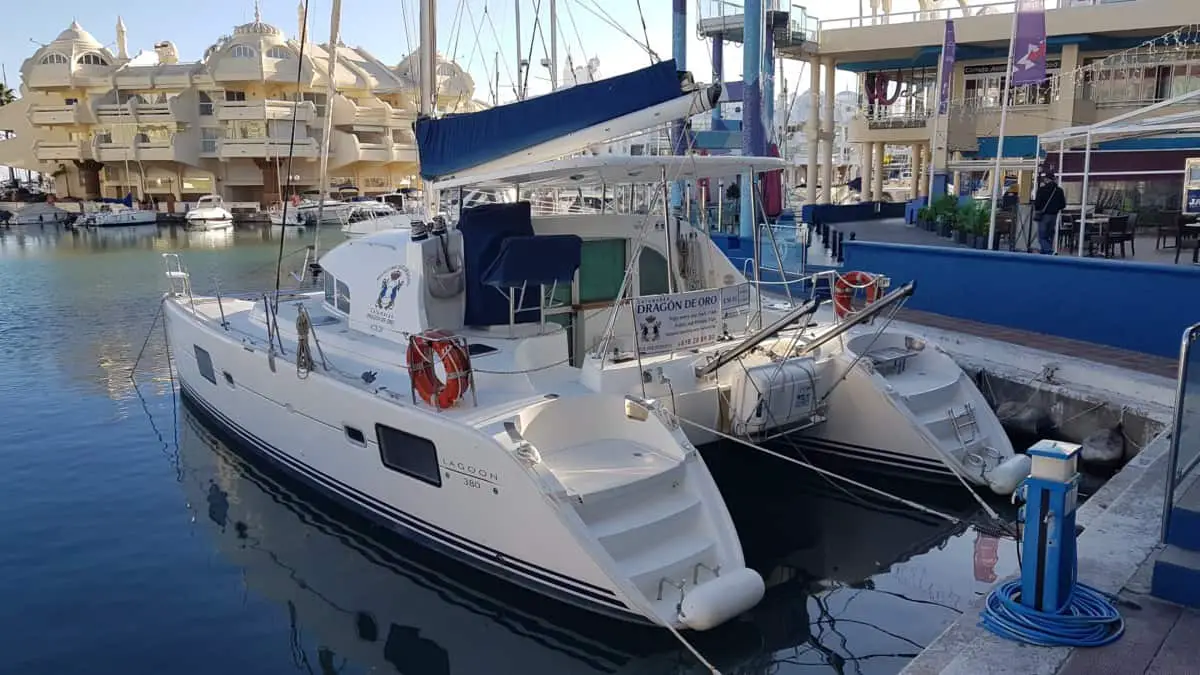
825,472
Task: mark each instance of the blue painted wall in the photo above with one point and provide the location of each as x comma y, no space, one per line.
1143,307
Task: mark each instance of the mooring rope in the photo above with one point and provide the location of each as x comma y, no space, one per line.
304,359
824,472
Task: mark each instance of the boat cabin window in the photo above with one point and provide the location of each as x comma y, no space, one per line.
652,273
410,455
601,269
337,294
204,364
343,297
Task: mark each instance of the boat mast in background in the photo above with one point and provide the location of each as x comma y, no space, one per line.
427,105
335,21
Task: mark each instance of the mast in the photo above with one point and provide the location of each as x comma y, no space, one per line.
427,53
335,20
520,61
553,45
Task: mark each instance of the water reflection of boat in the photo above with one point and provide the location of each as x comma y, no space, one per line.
384,603
113,234
208,238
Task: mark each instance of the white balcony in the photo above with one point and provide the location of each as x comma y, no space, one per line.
267,148
266,110
45,115
151,151
47,151
374,152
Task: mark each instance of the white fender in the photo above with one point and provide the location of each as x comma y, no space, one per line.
1005,478
712,603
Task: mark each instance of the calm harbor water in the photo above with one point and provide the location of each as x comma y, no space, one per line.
134,539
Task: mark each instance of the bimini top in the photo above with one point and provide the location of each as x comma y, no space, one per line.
615,170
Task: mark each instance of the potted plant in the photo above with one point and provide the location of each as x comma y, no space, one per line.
924,217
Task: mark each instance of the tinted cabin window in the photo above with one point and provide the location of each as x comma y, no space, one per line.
652,272
204,363
601,270
343,297
329,282
408,454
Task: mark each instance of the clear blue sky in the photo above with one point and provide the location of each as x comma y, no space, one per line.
380,28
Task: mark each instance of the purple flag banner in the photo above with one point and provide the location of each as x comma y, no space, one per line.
948,53
1029,43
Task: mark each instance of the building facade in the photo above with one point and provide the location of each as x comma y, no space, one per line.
1100,64
105,124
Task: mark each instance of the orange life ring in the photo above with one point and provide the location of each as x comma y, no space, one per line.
844,287
422,350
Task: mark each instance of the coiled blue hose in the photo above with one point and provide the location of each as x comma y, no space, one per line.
1089,618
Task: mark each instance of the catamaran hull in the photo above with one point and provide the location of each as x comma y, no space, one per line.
302,426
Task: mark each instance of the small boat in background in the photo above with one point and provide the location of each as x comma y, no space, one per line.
280,216
209,213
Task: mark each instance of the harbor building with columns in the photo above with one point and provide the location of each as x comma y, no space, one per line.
1101,64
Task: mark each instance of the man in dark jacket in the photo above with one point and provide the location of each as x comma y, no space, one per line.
1047,204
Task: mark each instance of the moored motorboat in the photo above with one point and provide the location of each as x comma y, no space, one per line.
209,213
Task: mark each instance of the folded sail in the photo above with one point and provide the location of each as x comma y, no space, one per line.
454,143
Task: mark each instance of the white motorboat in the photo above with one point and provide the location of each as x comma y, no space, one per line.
289,216
108,215
369,218
325,212
209,213
41,213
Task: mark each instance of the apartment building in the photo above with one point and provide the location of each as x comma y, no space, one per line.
1100,66
106,124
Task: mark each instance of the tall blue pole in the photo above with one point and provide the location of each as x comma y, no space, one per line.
752,131
768,87
679,53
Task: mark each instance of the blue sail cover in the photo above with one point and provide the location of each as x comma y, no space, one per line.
548,259
449,144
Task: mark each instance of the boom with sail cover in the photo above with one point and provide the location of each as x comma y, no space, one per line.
474,141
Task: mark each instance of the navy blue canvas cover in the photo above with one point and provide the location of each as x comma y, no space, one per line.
484,229
449,144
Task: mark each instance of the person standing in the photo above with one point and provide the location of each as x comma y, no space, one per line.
1047,204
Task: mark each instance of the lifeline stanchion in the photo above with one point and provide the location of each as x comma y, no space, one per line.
1047,606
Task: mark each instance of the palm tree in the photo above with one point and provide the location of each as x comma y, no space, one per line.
7,96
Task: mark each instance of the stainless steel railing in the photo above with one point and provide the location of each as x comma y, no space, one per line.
1185,430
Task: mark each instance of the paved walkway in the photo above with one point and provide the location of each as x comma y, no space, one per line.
1112,356
893,230
1160,639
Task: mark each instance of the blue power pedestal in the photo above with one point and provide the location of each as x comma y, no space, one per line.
1049,555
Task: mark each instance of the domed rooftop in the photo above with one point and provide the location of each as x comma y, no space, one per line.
75,34
257,27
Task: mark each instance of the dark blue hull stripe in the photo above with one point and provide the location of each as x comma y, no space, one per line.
493,561
931,467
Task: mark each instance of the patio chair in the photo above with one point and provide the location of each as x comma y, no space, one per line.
1119,231
1185,234
1165,229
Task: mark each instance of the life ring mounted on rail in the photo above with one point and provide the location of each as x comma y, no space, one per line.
424,350
845,286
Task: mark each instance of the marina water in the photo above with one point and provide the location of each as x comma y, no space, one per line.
135,539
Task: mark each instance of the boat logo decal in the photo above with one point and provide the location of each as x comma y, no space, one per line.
390,282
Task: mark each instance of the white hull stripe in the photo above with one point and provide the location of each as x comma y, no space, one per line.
491,559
